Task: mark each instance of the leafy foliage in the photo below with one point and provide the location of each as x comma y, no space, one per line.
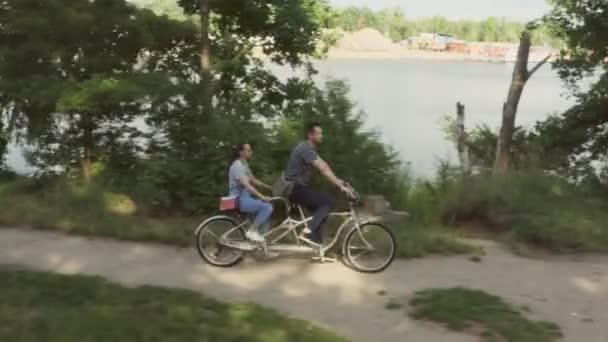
286,30
581,24
481,143
171,180
72,72
185,163
578,139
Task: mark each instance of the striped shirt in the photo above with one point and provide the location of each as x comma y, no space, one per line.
299,166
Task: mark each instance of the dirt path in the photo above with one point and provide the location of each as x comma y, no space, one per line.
571,293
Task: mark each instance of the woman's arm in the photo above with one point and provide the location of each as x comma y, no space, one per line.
246,182
259,183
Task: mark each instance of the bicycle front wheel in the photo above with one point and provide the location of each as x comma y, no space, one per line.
370,249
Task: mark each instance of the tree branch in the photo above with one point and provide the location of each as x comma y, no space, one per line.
538,66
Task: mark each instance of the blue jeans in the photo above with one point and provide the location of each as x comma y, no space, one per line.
260,209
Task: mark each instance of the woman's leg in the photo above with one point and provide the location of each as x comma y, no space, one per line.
262,210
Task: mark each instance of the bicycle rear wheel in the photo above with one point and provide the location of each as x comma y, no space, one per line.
210,246
370,249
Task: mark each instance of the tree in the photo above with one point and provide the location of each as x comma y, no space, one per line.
578,139
286,30
185,164
521,75
162,7
4,139
581,25
74,73
397,23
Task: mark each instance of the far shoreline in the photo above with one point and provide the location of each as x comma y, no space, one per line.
335,54
413,55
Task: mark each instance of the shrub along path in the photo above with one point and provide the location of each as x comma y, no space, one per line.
571,293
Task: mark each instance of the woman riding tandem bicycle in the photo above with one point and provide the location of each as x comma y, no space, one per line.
241,183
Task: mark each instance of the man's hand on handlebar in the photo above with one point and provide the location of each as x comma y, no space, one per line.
347,190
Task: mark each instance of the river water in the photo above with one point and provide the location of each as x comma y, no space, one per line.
405,101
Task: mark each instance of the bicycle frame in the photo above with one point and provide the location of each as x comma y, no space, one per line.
293,227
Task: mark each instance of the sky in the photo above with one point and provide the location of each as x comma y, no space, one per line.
520,10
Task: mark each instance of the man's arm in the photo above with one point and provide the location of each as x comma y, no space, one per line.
310,156
326,171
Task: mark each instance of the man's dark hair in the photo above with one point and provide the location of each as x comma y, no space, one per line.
310,128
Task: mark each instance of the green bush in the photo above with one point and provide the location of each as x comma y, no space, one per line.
533,207
58,204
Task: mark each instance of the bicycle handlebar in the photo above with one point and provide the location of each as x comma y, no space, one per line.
357,197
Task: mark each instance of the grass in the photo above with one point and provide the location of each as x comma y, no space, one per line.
47,307
392,304
462,309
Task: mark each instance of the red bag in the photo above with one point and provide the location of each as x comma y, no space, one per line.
229,203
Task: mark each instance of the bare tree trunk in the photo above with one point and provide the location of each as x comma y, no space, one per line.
521,75
463,149
3,141
87,155
205,56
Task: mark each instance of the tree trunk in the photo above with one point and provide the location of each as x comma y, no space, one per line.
503,159
205,56
87,155
521,75
463,150
3,141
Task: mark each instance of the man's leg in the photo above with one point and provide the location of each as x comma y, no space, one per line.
319,203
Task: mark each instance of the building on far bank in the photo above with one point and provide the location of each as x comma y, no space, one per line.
486,51
430,41
458,46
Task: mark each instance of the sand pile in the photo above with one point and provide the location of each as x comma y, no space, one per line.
366,39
